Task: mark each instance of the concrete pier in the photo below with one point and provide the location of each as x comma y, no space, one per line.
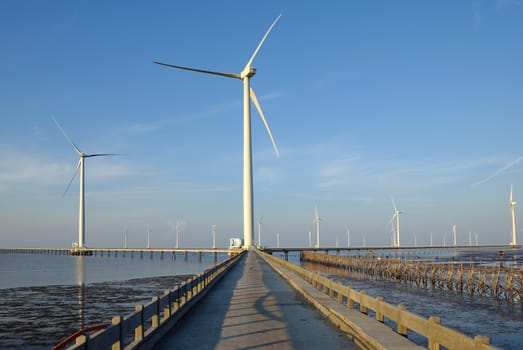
254,308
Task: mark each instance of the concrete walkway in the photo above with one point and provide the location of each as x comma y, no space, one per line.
254,308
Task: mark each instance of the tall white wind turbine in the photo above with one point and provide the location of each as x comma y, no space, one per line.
248,95
80,166
512,205
396,216
316,221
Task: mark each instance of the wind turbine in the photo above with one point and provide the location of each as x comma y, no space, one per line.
316,221
213,236
512,206
81,167
259,231
454,235
248,95
396,216
347,231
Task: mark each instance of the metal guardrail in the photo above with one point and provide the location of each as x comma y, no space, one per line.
131,331
436,334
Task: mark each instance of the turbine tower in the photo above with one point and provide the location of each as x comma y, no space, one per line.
248,95
316,221
259,232
512,205
80,166
454,235
396,216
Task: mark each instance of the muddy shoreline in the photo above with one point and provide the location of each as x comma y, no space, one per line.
33,318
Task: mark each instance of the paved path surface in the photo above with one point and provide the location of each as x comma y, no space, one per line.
254,308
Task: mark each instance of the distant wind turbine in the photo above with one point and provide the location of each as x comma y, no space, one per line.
396,216
454,235
213,229
347,232
316,221
248,95
259,231
512,206
80,166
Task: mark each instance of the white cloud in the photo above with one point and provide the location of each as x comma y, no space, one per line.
498,171
20,168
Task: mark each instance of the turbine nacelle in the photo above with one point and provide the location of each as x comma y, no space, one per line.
247,72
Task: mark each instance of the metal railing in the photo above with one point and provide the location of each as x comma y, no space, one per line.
436,334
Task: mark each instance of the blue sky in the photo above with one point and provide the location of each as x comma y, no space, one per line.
420,100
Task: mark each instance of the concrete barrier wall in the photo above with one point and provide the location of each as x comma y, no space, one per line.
142,328
436,334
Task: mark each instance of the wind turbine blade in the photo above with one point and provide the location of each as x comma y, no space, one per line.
227,75
101,155
394,204
258,107
510,199
261,42
393,217
67,137
71,181
316,211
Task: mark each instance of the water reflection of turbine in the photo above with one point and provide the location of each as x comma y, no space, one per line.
79,260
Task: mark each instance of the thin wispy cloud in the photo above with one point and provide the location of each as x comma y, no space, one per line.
498,172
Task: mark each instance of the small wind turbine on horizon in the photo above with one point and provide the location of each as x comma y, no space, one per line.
259,231
512,206
316,221
81,167
213,229
347,232
454,235
396,216
248,94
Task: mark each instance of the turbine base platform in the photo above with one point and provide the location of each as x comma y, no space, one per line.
81,252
